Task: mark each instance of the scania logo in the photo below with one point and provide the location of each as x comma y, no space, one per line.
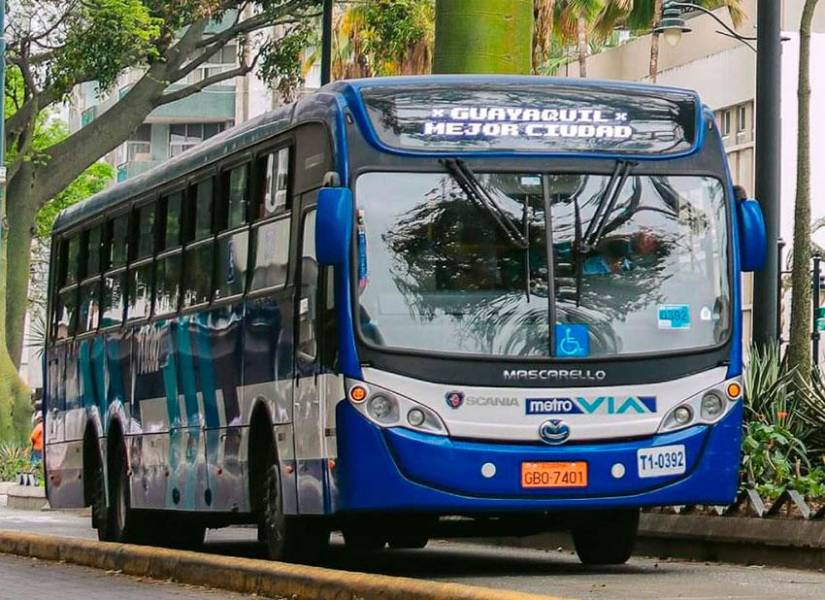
454,399
554,432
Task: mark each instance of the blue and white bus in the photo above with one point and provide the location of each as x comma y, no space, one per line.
508,299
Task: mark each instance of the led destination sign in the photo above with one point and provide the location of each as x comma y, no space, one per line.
535,118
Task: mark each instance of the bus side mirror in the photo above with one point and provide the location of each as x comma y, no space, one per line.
333,226
753,242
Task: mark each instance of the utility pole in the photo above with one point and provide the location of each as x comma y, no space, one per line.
766,287
326,43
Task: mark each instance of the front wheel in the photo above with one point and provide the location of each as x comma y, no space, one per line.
606,538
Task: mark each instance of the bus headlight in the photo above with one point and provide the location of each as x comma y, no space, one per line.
383,409
388,409
705,408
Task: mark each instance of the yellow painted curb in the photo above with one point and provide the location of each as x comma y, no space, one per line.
247,576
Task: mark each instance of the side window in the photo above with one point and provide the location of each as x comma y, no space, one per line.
169,262
199,254
308,298
116,248
65,306
270,249
89,293
275,184
139,292
233,242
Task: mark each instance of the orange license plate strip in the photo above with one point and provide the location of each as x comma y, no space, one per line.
553,475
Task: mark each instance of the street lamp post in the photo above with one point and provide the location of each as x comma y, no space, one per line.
326,43
768,144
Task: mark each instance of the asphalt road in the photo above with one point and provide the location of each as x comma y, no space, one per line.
542,572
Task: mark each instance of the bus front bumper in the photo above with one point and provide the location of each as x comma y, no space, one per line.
402,470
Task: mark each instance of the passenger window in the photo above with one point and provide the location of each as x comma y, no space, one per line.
145,231
112,305
73,260
66,317
89,307
308,299
118,241
237,190
93,251
140,291
203,209
172,222
167,284
230,268
198,275
276,183
270,244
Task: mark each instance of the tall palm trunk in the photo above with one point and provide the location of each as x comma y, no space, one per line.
799,350
654,41
493,36
581,32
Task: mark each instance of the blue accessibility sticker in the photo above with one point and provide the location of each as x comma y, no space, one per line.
572,340
674,316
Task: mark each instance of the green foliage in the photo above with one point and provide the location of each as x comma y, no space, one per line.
280,63
392,27
772,458
102,37
93,180
14,459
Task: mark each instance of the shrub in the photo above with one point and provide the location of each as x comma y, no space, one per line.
13,460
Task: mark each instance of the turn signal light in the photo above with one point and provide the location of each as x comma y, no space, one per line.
734,390
358,393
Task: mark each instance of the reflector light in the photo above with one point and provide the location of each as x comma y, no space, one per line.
734,390
358,393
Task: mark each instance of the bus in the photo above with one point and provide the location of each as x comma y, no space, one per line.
402,308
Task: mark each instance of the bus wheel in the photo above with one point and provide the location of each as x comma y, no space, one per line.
118,523
606,538
289,538
99,510
413,533
362,536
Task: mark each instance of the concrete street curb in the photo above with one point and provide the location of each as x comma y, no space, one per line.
247,576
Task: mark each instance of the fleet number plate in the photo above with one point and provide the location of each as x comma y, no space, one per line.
554,475
663,461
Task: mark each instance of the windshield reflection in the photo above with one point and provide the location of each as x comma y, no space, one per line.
443,277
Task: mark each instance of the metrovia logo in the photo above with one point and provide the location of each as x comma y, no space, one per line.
600,405
554,432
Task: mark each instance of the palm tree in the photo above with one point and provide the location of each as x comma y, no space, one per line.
799,348
575,24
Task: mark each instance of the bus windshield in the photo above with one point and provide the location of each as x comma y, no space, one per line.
635,267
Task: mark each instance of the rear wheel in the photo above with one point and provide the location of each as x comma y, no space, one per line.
411,533
606,538
288,538
115,522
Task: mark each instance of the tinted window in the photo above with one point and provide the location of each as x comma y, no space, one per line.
276,183
93,256
72,260
237,196
230,268
89,307
119,241
203,209
66,314
140,291
146,231
112,305
198,275
172,224
167,284
271,248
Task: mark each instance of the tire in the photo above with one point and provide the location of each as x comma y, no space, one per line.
99,509
408,541
363,535
289,538
412,533
606,538
118,521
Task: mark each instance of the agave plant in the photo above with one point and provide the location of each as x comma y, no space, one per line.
13,460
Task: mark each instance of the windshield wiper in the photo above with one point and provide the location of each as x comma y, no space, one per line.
471,186
607,203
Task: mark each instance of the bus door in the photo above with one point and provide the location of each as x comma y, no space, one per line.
308,418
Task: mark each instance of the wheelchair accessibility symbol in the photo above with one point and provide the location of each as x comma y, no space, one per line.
572,340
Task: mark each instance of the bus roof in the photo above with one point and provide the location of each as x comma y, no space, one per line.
318,106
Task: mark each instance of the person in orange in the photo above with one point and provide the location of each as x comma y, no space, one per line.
36,439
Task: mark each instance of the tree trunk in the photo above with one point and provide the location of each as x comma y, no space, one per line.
494,36
21,215
799,349
15,405
581,32
654,41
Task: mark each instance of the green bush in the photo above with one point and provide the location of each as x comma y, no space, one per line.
13,460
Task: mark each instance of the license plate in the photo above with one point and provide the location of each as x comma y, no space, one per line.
554,475
661,462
